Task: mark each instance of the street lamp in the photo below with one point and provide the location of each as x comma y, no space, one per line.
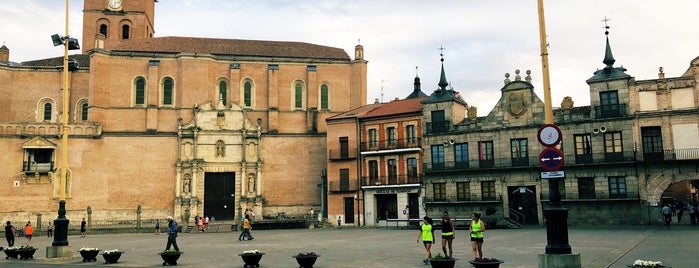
60,240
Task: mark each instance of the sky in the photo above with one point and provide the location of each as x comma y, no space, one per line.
482,40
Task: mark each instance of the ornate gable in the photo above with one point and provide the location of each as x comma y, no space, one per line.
39,143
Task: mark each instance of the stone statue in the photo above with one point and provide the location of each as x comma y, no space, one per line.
251,183
186,185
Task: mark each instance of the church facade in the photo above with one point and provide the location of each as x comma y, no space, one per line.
176,126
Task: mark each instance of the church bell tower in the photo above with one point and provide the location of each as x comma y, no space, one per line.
105,22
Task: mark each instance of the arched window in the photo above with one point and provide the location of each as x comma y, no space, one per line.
223,92
298,95
47,111
125,31
103,29
324,97
247,93
140,87
83,112
168,85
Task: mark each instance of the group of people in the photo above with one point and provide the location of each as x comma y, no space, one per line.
677,209
10,233
202,223
476,229
247,225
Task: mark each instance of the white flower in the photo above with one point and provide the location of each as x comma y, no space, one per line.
254,251
111,251
89,249
644,263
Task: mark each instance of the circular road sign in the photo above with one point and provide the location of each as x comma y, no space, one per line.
549,135
551,159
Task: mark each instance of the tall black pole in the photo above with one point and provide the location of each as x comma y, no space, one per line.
556,222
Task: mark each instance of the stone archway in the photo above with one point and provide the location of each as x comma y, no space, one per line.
658,182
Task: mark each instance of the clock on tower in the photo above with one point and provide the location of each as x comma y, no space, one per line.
115,4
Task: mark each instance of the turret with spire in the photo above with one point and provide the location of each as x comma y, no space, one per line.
417,92
609,71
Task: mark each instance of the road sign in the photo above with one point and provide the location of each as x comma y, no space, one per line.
551,159
552,174
549,135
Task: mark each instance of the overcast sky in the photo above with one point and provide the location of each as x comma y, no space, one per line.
483,39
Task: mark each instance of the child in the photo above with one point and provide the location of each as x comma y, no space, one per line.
427,235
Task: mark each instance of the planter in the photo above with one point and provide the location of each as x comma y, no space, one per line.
26,254
11,254
636,266
251,260
170,258
443,263
112,257
491,264
306,261
89,255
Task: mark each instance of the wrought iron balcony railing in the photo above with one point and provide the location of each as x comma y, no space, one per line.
391,180
391,144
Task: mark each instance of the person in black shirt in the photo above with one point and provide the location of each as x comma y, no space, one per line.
10,234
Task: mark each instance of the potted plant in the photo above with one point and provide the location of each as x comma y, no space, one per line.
112,255
644,263
306,259
89,254
26,252
440,261
170,256
11,253
251,257
486,262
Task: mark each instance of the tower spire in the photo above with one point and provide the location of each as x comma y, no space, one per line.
608,57
442,78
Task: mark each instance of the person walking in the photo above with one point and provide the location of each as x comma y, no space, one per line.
692,213
680,211
49,230
83,228
10,234
246,230
427,235
476,228
667,214
339,221
157,226
28,231
171,234
447,233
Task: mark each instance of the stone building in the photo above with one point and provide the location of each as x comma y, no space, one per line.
177,126
620,153
375,161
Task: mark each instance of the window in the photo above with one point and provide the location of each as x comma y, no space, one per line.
583,148
273,67
439,123
324,97
612,146
485,154
373,138
82,110
344,147
298,95
38,160
437,157
410,134
311,68
125,32
411,163
609,103
463,192
488,190
223,92
392,136
47,111
392,171
617,187
168,85
344,179
103,30
440,191
461,155
140,85
586,188
374,172
519,153
247,94
652,141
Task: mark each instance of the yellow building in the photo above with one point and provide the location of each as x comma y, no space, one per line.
171,125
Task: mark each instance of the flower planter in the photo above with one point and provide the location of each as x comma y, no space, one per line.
306,261
26,254
251,260
490,264
112,257
11,253
170,258
443,263
636,266
89,255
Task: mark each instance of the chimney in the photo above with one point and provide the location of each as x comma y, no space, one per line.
661,75
4,54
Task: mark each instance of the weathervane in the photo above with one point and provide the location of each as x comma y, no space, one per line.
441,52
606,27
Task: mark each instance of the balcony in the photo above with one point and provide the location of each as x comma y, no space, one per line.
342,154
343,186
462,199
34,167
391,180
671,155
415,143
438,127
609,111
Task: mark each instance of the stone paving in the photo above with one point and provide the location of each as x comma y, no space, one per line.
371,247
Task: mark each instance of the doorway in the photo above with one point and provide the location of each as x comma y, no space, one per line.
386,206
349,210
219,195
522,204
413,208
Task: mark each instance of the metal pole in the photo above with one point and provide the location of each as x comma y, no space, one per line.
60,237
548,110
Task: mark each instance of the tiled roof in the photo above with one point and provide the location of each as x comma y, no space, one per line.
233,47
582,110
356,112
396,107
83,61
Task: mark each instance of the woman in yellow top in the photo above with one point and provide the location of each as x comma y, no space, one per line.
476,228
427,235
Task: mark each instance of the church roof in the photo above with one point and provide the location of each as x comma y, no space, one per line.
233,47
83,61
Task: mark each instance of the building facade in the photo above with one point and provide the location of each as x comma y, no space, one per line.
176,126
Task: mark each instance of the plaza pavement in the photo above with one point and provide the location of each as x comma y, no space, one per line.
382,247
